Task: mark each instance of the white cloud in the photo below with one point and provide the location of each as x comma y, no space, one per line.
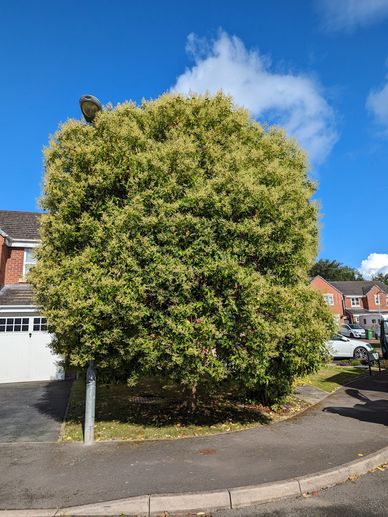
377,104
292,101
375,263
348,15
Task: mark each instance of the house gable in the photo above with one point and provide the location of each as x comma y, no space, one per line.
18,231
374,295
331,295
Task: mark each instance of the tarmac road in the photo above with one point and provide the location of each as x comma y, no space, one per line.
364,497
344,427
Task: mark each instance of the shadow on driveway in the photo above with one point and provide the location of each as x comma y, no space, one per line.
375,411
32,411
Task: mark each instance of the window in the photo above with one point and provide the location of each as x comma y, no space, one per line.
40,324
373,321
355,302
329,299
364,321
29,260
377,299
13,324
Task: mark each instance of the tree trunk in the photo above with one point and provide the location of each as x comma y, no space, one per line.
192,400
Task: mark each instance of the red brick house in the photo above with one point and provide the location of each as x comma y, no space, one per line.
332,296
363,299
24,351
355,301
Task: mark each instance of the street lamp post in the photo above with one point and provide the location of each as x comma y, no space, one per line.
90,404
90,106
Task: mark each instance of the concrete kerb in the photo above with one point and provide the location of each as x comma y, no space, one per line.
149,505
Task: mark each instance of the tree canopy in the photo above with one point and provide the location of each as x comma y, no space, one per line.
334,270
381,277
177,240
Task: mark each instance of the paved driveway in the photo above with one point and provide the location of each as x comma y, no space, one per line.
32,411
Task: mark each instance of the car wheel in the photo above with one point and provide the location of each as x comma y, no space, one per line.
360,353
351,335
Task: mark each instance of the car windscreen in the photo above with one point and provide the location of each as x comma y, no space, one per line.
354,326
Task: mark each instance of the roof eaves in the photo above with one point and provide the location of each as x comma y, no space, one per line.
3,234
381,286
328,282
21,243
370,288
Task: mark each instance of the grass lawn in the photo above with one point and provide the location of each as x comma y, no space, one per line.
152,410
332,376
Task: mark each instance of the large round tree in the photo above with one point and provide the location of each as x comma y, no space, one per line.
177,239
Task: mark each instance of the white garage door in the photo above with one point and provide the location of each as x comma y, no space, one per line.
24,354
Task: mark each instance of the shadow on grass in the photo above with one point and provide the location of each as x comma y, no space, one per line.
343,378
152,405
329,380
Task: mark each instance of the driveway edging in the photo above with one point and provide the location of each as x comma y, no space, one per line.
228,498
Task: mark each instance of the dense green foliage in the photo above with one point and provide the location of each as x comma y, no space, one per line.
177,240
381,277
334,270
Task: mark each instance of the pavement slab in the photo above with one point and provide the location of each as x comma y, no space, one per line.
344,427
310,394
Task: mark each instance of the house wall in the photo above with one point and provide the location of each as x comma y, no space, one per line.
370,299
3,258
14,265
324,287
348,302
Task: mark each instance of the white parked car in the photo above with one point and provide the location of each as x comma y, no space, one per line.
353,330
341,346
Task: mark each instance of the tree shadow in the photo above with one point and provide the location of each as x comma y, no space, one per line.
374,411
54,399
343,378
149,405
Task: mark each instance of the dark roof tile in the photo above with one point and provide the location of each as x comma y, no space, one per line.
20,225
16,294
358,287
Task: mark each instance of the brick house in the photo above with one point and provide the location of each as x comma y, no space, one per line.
363,300
332,296
355,301
24,351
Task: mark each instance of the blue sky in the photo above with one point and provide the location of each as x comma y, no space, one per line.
320,68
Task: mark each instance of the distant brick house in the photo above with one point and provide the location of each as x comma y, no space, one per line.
355,301
24,351
332,296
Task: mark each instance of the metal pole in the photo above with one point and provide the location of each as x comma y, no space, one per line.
90,404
